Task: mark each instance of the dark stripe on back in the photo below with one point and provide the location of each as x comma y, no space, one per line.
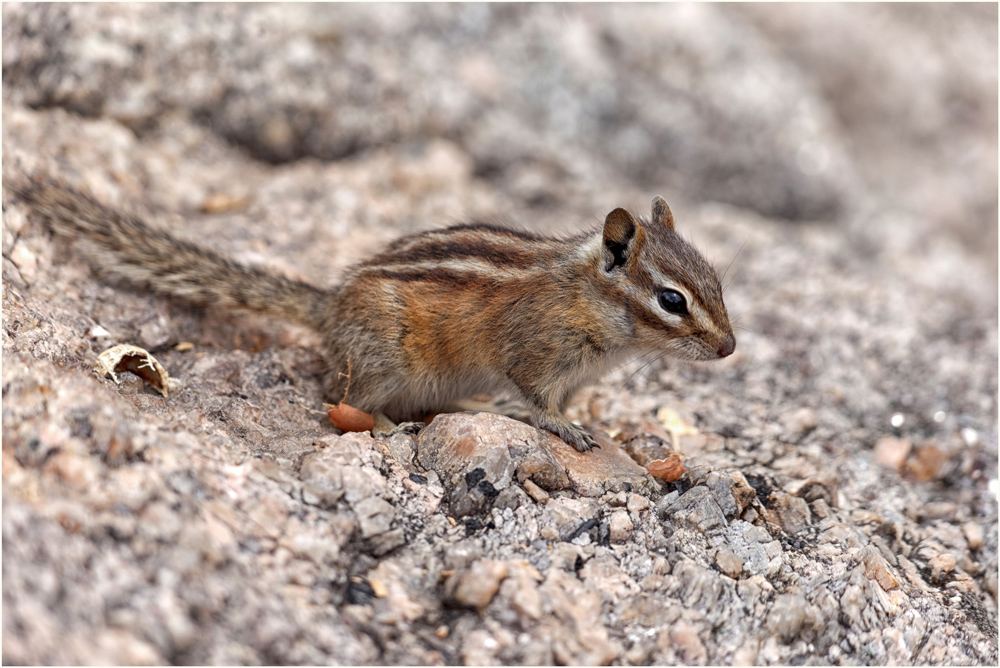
500,229
460,249
440,276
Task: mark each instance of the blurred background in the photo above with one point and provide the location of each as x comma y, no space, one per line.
855,114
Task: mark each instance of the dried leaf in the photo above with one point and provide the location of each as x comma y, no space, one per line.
669,469
127,357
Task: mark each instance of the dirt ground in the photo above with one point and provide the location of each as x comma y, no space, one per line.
840,499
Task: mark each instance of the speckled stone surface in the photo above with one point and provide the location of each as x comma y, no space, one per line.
839,504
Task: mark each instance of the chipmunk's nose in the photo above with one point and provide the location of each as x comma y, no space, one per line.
727,347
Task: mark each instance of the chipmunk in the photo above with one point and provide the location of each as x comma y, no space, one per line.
450,313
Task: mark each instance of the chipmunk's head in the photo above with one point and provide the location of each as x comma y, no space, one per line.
671,292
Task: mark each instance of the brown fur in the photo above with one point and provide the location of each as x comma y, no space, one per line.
445,314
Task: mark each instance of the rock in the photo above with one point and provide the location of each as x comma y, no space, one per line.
480,649
521,589
469,451
272,470
697,508
637,503
618,500
792,513
722,489
578,635
543,117
620,526
941,566
549,533
799,423
604,575
383,543
375,516
792,617
336,472
852,602
74,470
477,586
602,469
973,532
456,443
728,562
742,492
646,448
25,260
876,569
568,514
401,447
536,492
512,497
891,452
685,637
927,462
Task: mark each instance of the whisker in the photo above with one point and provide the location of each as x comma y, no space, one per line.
658,357
633,359
745,329
726,286
734,258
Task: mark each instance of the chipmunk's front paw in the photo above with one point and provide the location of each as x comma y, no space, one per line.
581,439
574,435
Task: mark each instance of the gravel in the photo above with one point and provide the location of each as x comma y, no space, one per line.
839,504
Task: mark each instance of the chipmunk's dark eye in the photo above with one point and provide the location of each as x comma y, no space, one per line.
673,302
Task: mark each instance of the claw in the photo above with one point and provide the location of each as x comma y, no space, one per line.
580,439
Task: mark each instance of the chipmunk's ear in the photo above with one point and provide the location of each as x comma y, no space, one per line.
661,213
622,239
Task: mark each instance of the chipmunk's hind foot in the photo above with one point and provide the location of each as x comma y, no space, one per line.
384,427
506,407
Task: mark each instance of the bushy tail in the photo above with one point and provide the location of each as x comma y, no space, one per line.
123,245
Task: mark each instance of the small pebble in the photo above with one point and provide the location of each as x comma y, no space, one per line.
728,562
973,535
620,526
927,462
941,566
480,583
378,587
801,421
637,503
536,492
685,638
891,452
25,261
792,511
876,568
